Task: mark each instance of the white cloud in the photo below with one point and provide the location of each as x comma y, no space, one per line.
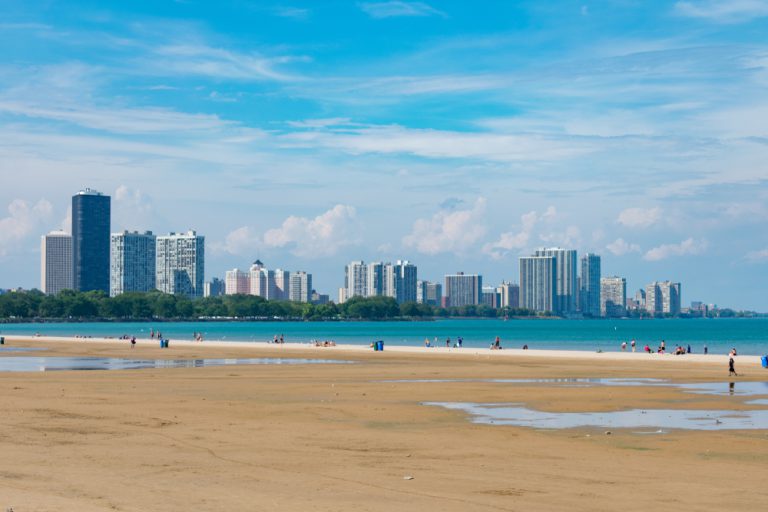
688,246
243,241
639,217
619,247
322,236
453,231
429,143
121,120
296,13
511,241
399,8
723,11
571,237
132,209
761,255
22,221
202,60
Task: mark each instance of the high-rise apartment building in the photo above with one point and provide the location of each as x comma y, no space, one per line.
56,262
613,296
589,291
374,283
237,282
463,289
400,281
663,297
491,297
214,288
429,293
355,280
300,287
180,263
132,262
509,295
90,241
565,300
537,283
283,285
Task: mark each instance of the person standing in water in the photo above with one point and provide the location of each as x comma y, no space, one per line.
632,343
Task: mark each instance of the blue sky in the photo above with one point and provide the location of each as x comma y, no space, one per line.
459,135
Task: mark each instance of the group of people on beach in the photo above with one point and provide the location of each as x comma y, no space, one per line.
457,344
662,349
279,340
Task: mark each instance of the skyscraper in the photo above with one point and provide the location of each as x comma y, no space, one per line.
90,241
56,262
214,288
613,296
374,284
509,294
589,293
283,285
463,289
537,283
237,282
565,278
132,262
180,264
355,280
300,287
400,281
429,293
663,297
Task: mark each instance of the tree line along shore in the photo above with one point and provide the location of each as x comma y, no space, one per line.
71,305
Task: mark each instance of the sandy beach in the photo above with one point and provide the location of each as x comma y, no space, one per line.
358,437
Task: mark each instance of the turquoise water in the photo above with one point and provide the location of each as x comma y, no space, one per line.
748,335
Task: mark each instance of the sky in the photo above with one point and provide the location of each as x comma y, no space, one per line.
457,135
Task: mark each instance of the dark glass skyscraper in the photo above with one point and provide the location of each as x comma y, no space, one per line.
90,240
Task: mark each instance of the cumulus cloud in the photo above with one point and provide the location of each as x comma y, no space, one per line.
399,8
619,247
639,217
131,209
23,220
688,246
322,236
511,241
571,237
243,241
448,230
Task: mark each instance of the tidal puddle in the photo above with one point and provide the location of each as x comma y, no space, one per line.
650,420
20,349
744,388
46,364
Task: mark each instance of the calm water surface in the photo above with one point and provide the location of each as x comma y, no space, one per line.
749,335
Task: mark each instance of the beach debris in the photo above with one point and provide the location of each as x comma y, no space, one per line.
407,477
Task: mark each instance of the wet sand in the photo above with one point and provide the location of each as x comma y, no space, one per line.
340,437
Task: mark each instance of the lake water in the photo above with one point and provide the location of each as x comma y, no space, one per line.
748,335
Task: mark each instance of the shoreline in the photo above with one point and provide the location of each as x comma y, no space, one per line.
473,352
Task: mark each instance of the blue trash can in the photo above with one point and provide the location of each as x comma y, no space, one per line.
381,344
764,359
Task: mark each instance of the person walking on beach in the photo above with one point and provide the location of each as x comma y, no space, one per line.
623,346
731,369
706,350
632,343
461,341
448,342
426,342
133,341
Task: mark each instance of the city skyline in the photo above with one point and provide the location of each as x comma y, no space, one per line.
458,136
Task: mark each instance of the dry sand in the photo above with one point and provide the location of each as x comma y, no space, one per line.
337,438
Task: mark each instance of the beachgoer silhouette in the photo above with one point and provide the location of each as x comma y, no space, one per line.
731,369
